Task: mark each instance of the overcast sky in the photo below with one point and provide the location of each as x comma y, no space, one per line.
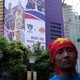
75,4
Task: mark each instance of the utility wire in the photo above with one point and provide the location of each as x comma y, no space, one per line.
76,6
63,2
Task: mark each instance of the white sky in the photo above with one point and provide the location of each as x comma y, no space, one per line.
75,4
15,2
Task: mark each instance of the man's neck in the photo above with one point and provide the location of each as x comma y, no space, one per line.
65,73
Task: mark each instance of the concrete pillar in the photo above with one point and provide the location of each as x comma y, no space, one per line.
31,75
28,75
34,75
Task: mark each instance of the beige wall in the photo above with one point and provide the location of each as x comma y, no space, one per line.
1,16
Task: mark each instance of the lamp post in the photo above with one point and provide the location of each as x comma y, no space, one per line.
32,59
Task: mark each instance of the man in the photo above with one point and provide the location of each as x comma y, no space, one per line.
40,5
63,55
19,21
9,21
30,4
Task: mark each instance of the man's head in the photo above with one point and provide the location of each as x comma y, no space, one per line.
19,5
63,54
9,6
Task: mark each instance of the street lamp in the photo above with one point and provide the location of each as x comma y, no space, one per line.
32,59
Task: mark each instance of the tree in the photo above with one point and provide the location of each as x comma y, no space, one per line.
3,46
12,59
37,49
16,60
44,67
4,50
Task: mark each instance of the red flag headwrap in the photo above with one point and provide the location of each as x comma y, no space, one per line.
58,44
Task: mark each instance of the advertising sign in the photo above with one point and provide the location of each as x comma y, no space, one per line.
24,20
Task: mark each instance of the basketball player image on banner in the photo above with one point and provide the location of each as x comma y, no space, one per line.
19,21
9,21
35,22
14,20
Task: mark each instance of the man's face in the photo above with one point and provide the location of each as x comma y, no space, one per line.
19,5
9,6
65,58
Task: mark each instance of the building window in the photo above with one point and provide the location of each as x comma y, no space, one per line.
55,30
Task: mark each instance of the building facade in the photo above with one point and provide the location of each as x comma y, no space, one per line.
54,20
1,16
72,28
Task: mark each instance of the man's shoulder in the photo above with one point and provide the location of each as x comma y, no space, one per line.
76,77
55,77
79,75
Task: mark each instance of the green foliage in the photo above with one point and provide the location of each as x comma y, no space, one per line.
1,54
14,59
36,49
18,71
44,66
29,51
15,50
3,51
3,43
